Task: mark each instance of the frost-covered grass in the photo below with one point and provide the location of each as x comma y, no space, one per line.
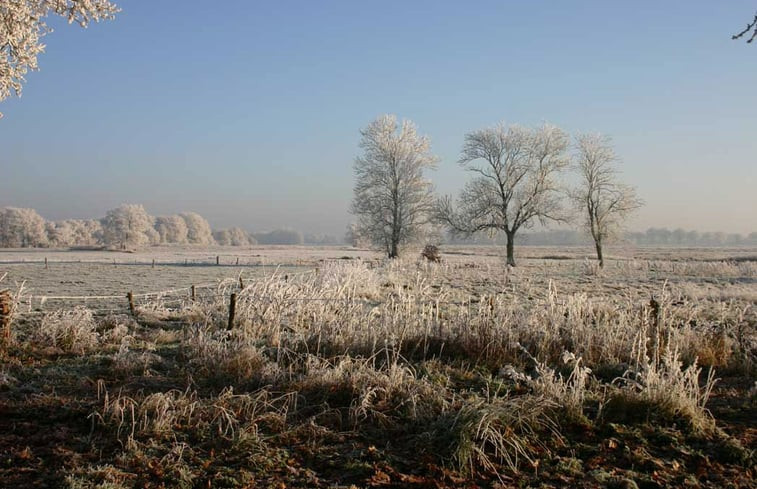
403,372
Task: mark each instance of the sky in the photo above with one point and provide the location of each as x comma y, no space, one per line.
249,112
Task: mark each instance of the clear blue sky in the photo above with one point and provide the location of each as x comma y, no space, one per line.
248,112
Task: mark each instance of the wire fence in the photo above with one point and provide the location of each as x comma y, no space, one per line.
30,305
227,290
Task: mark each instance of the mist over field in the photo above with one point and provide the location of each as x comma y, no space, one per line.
337,244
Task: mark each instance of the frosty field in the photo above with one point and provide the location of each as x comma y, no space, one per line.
342,369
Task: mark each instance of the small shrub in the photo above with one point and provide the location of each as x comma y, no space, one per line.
432,253
73,331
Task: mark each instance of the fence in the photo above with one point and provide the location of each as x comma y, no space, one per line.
30,305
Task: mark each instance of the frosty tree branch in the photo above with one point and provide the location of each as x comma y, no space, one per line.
22,27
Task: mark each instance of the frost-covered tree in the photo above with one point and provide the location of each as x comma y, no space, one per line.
233,237
22,26
153,237
74,232
60,233
127,226
21,228
198,229
172,229
393,200
516,181
603,201
87,232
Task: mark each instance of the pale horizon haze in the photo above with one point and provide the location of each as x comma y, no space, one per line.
249,112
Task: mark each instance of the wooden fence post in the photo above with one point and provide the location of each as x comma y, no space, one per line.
45,263
241,283
218,260
6,316
130,297
232,310
153,262
237,260
194,296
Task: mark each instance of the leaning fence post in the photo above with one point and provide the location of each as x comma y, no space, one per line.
130,297
241,283
6,316
232,310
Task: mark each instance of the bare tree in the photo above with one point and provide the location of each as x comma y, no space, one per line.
750,28
515,181
393,200
127,225
22,26
603,201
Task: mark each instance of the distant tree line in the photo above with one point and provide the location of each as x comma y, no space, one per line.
682,237
129,226
650,237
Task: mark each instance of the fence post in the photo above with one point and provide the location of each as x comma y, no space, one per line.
193,293
6,316
45,263
130,297
232,310
218,260
153,262
237,260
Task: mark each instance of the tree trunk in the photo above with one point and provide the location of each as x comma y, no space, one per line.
393,251
510,248
598,246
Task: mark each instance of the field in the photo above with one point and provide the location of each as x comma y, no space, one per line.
340,369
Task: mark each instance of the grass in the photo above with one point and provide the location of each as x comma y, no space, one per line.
462,373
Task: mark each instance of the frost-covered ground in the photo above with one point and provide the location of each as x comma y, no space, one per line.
97,273
342,369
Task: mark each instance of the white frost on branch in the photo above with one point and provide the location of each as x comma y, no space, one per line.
393,200
22,26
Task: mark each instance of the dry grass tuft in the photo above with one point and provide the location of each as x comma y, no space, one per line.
73,331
